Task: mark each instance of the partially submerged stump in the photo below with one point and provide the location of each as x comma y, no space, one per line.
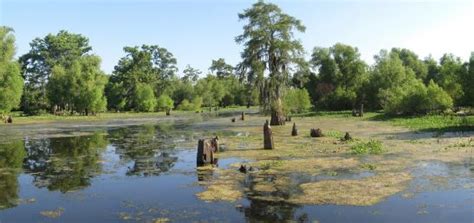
242,117
316,133
288,118
347,137
294,131
267,136
206,150
233,119
9,119
243,169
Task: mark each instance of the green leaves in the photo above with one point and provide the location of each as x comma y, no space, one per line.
148,65
296,101
341,75
11,82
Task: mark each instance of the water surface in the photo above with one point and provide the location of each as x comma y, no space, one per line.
147,172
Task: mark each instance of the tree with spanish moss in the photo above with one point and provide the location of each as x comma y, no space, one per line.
270,49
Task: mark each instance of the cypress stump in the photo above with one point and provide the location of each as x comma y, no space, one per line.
294,131
267,136
205,151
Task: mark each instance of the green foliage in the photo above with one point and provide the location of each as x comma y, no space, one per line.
164,103
413,97
185,105
467,82
11,82
341,74
146,65
190,74
211,90
11,161
78,86
449,77
296,101
371,147
221,69
436,98
61,49
145,98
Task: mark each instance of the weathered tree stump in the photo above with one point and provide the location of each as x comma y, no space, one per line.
354,113
294,131
233,119
347,137
242,117
267,136
9,119
277,119
243,169
316,133
206,150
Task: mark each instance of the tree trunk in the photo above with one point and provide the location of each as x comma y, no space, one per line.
242,116
267,136
168,112
277,118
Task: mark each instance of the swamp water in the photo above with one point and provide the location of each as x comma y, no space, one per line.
147,173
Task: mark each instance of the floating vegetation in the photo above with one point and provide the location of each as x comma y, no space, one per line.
362,192
53,213
225,188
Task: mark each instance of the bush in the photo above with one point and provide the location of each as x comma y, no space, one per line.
370,147
296,101
413,97
145,98
438,99
164,103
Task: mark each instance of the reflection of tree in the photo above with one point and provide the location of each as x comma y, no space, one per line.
65,164
149,147
11,158
271,210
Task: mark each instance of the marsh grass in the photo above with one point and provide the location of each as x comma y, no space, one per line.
430,123
298,165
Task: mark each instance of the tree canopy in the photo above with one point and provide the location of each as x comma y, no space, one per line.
11,82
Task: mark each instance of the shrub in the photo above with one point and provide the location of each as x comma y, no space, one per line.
413,97
164,102
296,101
145,98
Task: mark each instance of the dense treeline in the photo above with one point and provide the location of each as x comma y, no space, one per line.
59,75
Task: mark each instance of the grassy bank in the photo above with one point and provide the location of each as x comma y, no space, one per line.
20,119
429,123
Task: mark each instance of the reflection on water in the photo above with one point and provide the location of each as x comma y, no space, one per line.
11,158
64,164
148,172
150,148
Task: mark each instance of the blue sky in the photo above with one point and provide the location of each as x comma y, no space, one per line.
198,31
